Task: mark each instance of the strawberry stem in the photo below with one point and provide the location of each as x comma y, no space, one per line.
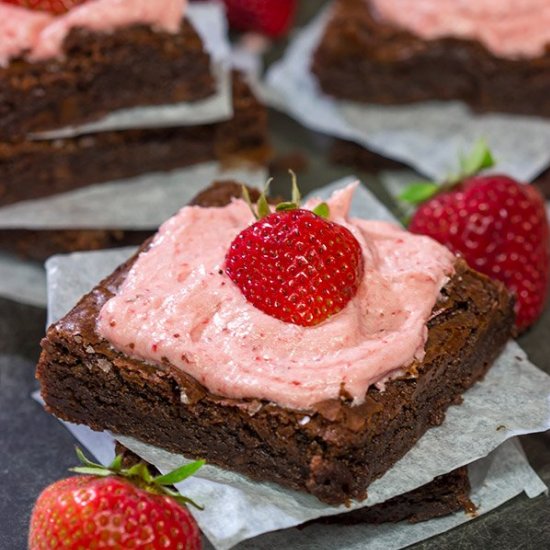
322,210
296,197
179,474
263,206
140,475
263,209
478,159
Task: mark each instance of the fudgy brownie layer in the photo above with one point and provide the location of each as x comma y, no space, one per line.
34,169
101,72
349,153
363,59
333,451
443,495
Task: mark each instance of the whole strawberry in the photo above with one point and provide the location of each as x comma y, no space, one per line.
270,17
295,265
500,227
102,511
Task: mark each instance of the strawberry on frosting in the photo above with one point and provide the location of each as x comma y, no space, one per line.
177,304
294,264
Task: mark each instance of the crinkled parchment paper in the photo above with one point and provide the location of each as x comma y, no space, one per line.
426,136
143,202
495,479
513,399
209,20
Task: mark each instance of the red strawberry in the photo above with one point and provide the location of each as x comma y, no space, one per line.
271,17
113,512
295,265
55,7
500,227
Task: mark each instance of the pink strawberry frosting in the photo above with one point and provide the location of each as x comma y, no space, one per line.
508,28
177,303
40,36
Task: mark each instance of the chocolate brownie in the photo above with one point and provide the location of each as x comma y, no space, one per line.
349,153
543,183
364,59
41,244
33,169
333,450
81,86
443,495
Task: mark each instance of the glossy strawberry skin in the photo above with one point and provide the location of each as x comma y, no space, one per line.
93,512
500,227
270,17
55,7
296,266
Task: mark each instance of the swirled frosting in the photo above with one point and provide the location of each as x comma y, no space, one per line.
40,36
178,305
508,28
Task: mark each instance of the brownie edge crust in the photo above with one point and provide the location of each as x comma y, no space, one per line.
333,451
44,95
363,59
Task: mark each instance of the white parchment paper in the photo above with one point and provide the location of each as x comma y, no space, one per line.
495,479
22,281
425,136
208,18
500,476
143,202
513,399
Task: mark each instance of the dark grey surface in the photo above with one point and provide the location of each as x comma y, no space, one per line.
36,450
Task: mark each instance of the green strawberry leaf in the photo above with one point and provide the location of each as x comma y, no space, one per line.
86,461
296,197
179,474
116,464
101,472
248,200
322,210
139,474
419,192
283,206
141,471
263,207
478,159
180,498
